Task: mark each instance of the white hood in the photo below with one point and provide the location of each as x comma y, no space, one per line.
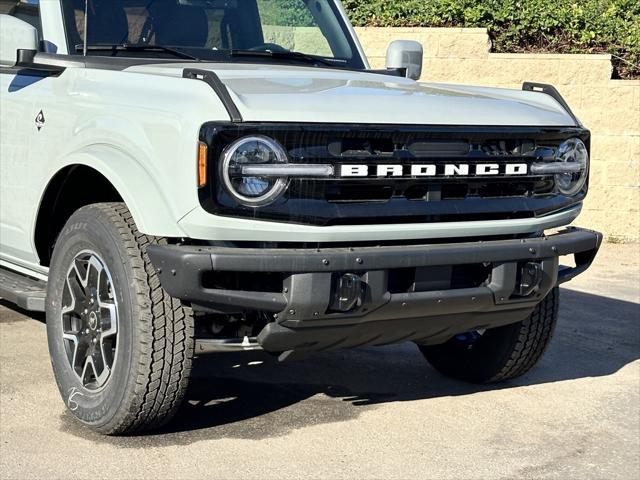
276,93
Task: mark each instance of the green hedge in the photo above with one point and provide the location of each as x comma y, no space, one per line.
558,26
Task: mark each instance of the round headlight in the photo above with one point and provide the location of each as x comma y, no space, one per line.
574,153
253,190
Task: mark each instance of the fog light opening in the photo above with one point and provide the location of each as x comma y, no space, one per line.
529,279
347,293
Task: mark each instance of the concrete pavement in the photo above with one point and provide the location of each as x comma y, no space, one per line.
367,413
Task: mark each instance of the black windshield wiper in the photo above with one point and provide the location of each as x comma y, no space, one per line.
133,47
298,56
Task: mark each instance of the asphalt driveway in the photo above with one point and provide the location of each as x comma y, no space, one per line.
367,413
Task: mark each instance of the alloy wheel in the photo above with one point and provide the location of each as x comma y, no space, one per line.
90,320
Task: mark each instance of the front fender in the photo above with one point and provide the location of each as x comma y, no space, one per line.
143,196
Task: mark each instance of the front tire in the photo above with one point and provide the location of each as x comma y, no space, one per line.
501,353
120,347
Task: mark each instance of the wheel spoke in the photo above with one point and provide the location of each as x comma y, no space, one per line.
88,370
82,354
76,295
73,353
81,271
94,268
107,306
103,377
108,315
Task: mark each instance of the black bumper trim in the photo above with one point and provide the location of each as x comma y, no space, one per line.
303,320
425,331
181,267
185,258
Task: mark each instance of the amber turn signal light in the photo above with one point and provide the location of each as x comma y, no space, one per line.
202,164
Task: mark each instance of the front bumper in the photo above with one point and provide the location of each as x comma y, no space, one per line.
301,303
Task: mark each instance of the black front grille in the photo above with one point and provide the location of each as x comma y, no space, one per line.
370,200
379,191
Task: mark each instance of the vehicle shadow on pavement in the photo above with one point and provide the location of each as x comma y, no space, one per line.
250,395
18,314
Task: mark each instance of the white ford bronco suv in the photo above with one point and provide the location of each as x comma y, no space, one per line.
181,177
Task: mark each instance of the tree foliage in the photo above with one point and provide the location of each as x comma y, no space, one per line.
558,26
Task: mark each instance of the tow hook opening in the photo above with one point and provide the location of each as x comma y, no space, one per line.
347,292
528,279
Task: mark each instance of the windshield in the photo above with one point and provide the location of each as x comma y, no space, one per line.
213,29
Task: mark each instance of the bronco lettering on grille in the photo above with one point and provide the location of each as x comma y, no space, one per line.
435,170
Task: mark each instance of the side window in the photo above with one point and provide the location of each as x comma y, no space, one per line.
152,22
26,10
290,24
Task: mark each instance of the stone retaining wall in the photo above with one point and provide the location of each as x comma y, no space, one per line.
609,108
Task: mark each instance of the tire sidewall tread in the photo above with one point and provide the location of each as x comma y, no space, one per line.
151,374
502,353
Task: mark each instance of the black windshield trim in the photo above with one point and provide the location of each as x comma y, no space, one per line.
130,47
290,55
225,56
